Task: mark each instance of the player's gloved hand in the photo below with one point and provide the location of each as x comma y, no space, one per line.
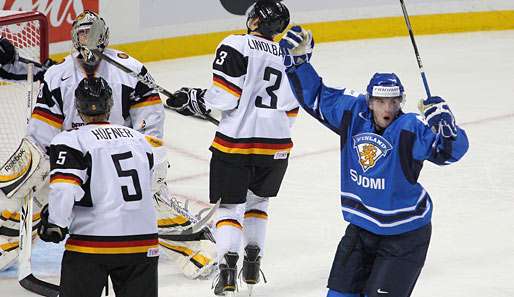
50,232
189,101
297,45
439,117
41,72
8,53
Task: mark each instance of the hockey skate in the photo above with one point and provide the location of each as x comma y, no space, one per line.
251,271
225,282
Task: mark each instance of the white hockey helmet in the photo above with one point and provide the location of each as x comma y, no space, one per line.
80,33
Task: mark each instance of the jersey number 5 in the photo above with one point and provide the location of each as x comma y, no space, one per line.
268,72
127,173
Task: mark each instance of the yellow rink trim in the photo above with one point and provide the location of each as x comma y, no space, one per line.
205,44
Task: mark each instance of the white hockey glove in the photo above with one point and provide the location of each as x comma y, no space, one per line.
26,171
189,101
439,117
297,45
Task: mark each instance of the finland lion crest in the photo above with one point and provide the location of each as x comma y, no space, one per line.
370,148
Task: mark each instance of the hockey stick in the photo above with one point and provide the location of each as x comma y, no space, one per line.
25,277
416,52
199,225
164,197
27,61
95,32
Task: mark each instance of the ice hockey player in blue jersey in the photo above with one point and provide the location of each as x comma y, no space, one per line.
382,152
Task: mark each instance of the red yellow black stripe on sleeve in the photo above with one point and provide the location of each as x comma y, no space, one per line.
251,146
293,112
224,84
112,244
68,178
229,223
255,213
147,101
45,115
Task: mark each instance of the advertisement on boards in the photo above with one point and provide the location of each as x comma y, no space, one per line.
60,13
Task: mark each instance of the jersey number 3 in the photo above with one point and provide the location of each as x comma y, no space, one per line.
127,173
268,73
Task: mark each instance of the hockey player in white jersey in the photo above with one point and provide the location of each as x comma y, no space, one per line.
101,194
135,105
251,148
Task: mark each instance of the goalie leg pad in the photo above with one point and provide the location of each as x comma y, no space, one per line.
255,220
27,170
195,254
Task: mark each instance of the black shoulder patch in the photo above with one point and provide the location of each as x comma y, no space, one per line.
230,61
123,56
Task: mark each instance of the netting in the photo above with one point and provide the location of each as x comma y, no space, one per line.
24,30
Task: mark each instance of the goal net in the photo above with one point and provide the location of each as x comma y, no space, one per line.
28,32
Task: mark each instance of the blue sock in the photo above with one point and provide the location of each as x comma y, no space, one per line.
332,293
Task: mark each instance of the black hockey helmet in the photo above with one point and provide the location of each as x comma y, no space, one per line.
93,96
273,17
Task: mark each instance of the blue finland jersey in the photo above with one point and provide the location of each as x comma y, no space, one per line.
379,188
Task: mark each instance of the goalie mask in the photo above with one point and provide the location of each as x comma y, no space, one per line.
80,32
273,17
93,97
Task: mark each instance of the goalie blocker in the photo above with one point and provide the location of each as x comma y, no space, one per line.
26,171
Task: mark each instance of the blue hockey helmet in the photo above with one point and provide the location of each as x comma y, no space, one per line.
385,85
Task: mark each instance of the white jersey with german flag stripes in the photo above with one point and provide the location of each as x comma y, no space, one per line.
135,104
252,91
100,186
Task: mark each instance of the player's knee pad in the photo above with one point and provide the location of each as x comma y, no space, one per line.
230,214
333,293
258,206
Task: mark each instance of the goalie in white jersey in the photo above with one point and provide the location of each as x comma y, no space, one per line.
135,105
100,193
251,148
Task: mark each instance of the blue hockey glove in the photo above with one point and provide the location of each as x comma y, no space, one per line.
50,232
439,117
297,45
188,102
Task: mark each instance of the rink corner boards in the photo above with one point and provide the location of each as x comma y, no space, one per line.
205,44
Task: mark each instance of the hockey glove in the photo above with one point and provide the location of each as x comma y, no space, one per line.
439,117
297,45
50,232
7,52
189,101
41,72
